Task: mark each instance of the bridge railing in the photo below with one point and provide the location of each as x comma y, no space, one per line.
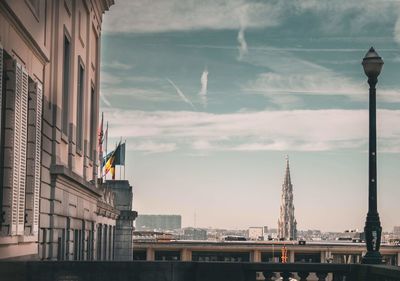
192,271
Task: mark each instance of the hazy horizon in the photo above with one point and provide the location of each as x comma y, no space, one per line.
211,96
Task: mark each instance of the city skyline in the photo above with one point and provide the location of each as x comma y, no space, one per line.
212,96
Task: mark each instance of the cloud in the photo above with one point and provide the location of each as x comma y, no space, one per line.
293,130
143,94
204,86
288,74
117,65
180,93
274,85
151,147
105,100
397,31
107,78
242,43
177,15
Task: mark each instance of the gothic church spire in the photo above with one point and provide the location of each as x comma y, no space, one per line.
287,225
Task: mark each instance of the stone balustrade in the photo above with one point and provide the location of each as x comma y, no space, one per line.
192,271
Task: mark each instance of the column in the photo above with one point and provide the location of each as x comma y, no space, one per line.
255,256
150,254
291,256
186,255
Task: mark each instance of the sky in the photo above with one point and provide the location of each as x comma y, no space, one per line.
212,95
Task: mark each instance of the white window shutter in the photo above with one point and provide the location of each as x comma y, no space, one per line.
38,139
23,148
16,148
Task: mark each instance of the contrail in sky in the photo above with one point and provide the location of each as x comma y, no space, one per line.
105,100
180,93
204,85
242,43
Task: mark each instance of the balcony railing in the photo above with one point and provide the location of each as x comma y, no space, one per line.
192,271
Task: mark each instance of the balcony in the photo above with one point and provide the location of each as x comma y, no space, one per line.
192,271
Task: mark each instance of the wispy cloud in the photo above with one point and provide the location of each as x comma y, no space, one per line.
204,86
117,65
105,100
396,32
242,43
295,130
288,74
151,147
180,93
176,15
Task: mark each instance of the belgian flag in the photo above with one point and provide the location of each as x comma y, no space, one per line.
111,159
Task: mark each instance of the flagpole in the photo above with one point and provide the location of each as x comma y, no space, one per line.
106,140
124,159
120,160
100,145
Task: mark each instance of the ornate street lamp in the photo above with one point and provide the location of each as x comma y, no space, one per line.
372,64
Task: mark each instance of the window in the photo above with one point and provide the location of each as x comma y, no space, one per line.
79,106
66,83
99,241
92,123
76,244
105,236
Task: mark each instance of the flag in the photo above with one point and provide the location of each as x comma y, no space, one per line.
110,159
109,164
105,159
120,156
113,172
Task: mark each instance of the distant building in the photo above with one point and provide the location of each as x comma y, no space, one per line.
158,222
194,234
287,225
272,230
396,230
256,233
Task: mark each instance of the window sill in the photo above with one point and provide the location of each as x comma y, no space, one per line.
64,137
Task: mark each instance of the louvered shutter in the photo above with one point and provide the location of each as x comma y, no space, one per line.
16,149
38,138
23,131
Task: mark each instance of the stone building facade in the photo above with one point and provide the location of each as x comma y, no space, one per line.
287,224
124,226
51,207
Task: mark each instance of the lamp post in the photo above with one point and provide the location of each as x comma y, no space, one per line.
372,64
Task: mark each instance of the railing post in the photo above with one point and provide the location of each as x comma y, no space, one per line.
321,276
268,275
303,275
285,276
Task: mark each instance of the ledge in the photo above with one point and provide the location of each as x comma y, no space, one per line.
61,170
105,210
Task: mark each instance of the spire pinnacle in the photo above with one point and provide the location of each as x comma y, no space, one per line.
287,174
287,225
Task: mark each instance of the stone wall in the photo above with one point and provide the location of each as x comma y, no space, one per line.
124,227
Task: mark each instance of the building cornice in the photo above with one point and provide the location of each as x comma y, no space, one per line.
106,4
61,170
106,210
